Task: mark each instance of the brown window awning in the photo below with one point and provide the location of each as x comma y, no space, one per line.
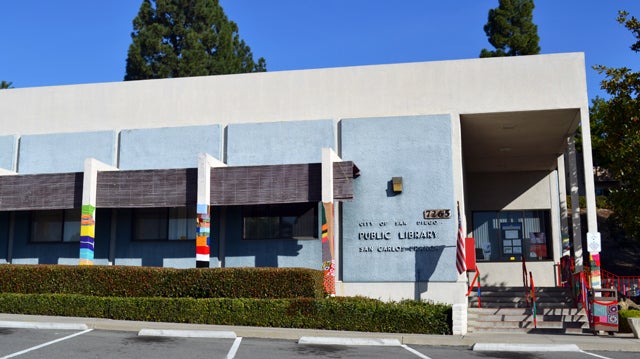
41,191
272,184
238,185
147,188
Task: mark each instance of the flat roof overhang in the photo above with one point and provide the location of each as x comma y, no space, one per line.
516,141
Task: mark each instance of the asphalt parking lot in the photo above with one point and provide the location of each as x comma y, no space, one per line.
16,342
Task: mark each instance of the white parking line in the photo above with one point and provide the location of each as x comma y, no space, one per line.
420,355
45,344
595,355
359,341
234,348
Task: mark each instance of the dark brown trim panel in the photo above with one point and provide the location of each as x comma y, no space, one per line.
41,191
147,188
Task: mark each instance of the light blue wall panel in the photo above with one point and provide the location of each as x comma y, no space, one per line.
176,254
385,237
169,147
64,152
267,253
278,142
8,148
27,252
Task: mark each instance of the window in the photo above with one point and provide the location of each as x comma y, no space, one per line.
55,225
284,221
508,235
157,224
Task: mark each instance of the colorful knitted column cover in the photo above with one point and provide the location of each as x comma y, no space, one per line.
596,280
87,234
328,260
203,232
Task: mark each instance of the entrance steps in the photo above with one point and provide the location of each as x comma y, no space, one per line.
504,309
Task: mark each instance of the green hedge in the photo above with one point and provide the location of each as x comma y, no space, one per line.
622,319
354,314
123,281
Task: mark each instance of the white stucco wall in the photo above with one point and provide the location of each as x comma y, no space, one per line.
508,191
495,274
464,86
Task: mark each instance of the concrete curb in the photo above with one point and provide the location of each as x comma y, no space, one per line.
503,347
349,341
215,334
43,325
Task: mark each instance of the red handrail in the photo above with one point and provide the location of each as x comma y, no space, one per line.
625,284
525,283
475,277
584,289
533,300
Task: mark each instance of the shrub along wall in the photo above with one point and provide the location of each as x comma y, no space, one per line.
271,297
122,281
622,320
356,314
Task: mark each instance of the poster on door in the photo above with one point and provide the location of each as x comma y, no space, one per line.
511,239
537,245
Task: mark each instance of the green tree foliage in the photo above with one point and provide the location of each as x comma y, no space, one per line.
181,38
6,85
511,30
615,124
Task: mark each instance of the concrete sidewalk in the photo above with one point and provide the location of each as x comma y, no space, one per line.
587,342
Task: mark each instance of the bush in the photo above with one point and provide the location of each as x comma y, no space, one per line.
353,314
122,281
622,319
602,202
266,297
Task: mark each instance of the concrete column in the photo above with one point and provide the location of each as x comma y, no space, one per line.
461,302
203,214
459,318
88,217
562,195
575,204
589,186
590,196
328,220
555,216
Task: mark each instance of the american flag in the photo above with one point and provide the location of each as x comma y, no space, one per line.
461,264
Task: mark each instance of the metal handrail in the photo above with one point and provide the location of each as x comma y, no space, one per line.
584,289
475,277
625,284
529,291
525,282
533,300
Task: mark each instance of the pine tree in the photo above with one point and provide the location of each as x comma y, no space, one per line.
181,38
511,30
6,85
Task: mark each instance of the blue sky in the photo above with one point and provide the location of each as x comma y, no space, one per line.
45,43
